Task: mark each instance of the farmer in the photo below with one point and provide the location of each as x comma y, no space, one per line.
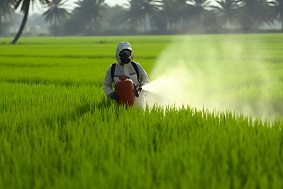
125,67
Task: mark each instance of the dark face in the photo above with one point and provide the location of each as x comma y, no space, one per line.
125,56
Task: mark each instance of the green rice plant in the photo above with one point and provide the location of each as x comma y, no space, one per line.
58,130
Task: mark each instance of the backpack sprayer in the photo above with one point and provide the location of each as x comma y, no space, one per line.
127,91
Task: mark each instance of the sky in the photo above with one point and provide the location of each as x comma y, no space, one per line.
71,3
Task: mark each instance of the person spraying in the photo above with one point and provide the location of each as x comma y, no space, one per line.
124,79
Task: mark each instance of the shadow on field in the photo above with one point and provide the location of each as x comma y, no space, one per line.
81,110
91,107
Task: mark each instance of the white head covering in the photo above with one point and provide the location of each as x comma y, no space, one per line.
121,46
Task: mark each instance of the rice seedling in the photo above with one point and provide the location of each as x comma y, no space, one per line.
58,130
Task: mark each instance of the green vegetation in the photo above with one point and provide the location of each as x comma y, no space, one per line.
58,130
91,17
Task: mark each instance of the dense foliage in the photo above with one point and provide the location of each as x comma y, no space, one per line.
95,17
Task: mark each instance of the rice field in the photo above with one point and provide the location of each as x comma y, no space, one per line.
58,130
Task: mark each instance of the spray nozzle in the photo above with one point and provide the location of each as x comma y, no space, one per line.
138,89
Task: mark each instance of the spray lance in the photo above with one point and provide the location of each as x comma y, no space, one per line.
138,90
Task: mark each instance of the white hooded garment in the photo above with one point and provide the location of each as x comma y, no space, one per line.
126,70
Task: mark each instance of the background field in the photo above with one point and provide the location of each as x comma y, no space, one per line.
57,129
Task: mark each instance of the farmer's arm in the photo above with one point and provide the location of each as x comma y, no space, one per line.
143,76
107,85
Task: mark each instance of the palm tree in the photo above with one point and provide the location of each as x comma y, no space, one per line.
200,16
226,10
173,11
133,14
115,18
148,8
25,5
198,7
252,13
89,12
5,8
277,11
55,13
140,10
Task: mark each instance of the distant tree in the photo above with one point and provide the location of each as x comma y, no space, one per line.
267,13
226,10
173,11
72,26
140,10
5,9
159,21
115,18
133,14
25,5
252,13
197,7
276,11
200,15
56,13
89,13
148,9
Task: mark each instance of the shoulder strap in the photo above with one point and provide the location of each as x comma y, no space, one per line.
136,69
113,70
134,66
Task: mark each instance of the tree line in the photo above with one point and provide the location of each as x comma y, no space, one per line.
95,17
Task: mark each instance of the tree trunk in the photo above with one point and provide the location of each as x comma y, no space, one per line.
55,27
18,35
145,22
0,24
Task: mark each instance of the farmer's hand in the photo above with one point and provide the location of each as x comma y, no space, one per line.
138,89
114,96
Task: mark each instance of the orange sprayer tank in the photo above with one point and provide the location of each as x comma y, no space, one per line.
125,90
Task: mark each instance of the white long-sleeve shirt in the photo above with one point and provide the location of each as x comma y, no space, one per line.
125,70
